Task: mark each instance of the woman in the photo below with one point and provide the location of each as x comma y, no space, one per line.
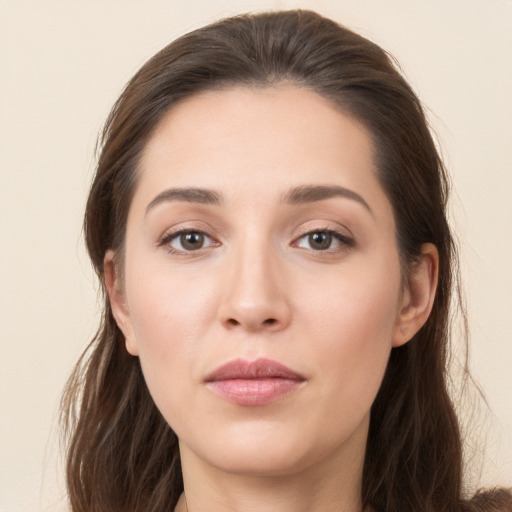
268,221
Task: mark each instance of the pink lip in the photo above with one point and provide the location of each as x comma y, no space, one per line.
258,382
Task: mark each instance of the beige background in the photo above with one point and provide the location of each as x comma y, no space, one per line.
63,63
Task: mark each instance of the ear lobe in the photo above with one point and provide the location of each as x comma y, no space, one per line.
418,296
117,298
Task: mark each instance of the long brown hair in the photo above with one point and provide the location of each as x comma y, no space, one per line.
122,455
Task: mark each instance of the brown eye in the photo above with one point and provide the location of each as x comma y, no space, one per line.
324,240
192,241
320,241
187,241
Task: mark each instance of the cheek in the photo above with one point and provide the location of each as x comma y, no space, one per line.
358,303
170,314
352,322
169,307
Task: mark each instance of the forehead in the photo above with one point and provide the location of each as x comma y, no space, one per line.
262,140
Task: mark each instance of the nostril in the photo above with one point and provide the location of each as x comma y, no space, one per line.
269,321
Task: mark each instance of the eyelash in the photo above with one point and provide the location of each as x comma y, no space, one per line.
169,237
344,240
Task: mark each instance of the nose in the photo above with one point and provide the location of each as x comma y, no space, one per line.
254,295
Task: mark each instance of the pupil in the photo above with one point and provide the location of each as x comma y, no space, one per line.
192,241
320,241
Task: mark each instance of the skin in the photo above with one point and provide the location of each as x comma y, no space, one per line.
257,287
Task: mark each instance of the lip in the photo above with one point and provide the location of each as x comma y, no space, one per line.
253,383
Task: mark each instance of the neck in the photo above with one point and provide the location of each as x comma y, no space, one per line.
331,485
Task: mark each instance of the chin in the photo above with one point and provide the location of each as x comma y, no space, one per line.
265,449
261,459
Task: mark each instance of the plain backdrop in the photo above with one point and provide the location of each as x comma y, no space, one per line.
62,65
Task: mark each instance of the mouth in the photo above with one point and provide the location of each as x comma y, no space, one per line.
253,383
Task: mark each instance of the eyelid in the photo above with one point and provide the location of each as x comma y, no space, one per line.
173,234
345,240
185,226
341,234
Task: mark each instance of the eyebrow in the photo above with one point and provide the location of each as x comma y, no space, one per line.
190,195
312,193
299,195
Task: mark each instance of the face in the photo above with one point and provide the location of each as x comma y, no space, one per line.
261,288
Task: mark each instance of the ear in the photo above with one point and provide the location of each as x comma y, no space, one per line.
117,297
418,296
